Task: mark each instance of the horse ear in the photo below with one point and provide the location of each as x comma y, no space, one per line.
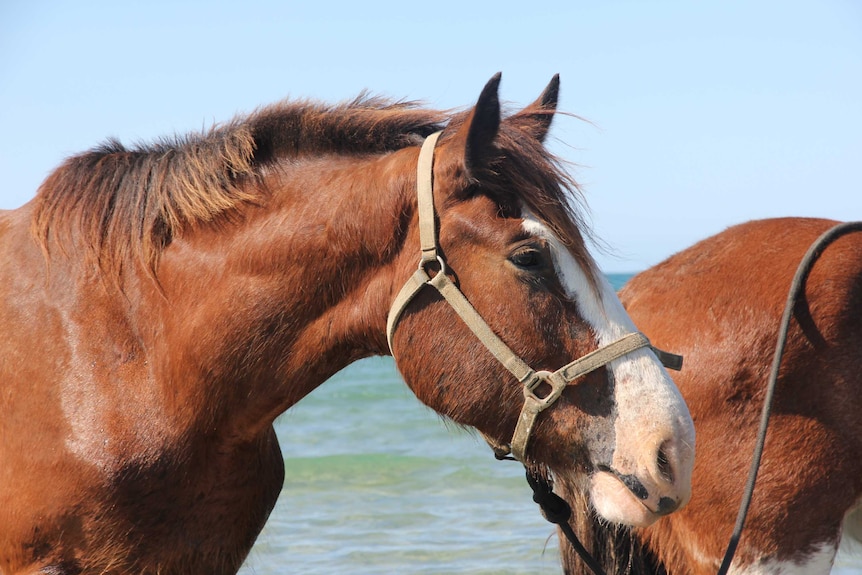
482,125
537,117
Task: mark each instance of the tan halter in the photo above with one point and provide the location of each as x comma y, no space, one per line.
529,378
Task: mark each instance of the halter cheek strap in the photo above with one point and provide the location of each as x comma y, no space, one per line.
529,378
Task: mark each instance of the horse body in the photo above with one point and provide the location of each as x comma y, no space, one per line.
719,303
161,306
134,411
150,400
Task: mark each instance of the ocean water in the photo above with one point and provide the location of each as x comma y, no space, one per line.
376,483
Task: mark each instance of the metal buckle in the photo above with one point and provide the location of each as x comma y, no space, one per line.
537,379
423,264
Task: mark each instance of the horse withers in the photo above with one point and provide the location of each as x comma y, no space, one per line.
719,303
161,305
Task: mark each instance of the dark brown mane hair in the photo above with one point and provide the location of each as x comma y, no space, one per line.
132,201
135,200
526,172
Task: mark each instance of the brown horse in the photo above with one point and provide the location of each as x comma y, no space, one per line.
160,306
719,303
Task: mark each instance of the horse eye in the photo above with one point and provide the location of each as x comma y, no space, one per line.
527,257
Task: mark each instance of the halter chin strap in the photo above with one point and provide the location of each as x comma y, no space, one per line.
529,378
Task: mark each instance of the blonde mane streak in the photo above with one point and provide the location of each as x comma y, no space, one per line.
203,184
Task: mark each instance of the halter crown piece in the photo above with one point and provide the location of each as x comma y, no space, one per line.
529,378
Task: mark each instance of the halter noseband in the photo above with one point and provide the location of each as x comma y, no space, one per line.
529,378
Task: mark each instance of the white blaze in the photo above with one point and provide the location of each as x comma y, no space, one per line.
649,406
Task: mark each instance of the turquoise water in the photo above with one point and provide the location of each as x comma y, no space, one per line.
376,483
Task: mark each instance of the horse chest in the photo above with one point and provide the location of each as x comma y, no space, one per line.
200,514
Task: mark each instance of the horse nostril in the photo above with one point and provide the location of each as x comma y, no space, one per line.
663,465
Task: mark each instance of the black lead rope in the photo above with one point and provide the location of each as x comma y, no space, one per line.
557,511
805,266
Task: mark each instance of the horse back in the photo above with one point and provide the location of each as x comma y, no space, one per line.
720,302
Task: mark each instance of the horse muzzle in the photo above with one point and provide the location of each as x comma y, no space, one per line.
656,487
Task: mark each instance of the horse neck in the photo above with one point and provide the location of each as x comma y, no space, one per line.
260,310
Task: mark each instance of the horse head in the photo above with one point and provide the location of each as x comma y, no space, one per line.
500,237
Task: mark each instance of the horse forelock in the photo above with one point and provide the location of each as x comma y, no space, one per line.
526,173
121,202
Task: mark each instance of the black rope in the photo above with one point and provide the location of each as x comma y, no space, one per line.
557,511
796,287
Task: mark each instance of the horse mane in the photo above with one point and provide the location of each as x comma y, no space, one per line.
133,201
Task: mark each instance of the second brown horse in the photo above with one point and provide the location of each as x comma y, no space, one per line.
719,303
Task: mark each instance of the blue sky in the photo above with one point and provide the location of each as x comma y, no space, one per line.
701,114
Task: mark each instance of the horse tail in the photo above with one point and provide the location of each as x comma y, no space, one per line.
616,548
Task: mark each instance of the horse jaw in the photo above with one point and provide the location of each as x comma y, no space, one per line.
649,472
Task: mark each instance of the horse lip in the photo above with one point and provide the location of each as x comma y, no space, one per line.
664,506
630,481
634,485
614,501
